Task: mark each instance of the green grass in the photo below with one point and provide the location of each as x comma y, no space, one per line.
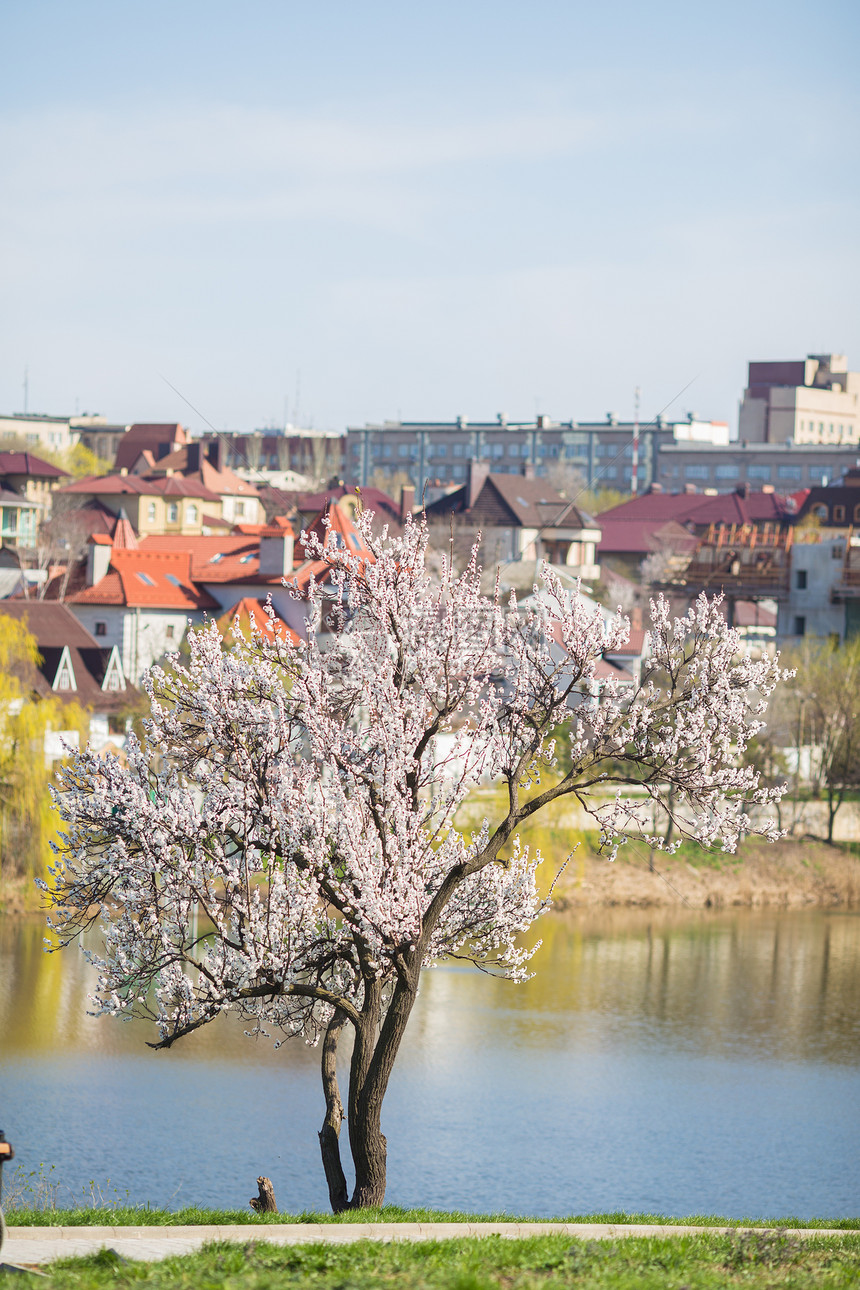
142,1216
703,1261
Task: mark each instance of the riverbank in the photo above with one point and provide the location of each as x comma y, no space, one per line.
789,874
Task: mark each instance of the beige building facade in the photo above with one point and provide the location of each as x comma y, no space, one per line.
815,400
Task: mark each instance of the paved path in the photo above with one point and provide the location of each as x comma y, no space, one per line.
32,1245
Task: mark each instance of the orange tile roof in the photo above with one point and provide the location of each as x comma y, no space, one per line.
214,558
271,628
340,531
153,579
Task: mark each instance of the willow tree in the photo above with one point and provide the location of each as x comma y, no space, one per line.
303,799
27,820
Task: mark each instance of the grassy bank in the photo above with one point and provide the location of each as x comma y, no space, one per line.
143,1216
699,1262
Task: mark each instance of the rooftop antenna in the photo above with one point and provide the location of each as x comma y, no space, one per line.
634,476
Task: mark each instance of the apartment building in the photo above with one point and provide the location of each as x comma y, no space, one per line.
814,400
440,452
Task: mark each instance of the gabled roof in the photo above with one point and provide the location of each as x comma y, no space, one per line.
52,623
65,644
147,579
140,486
514,501
702,509
108,485
219,481
271,628
214,558
25,463
334,527
147,435
641,537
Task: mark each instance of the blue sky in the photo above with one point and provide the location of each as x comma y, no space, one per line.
359,211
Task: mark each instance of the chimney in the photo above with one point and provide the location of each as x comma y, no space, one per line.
407,501
743,490
276,551
528,470
691,489
654,487
99,551
478,472
215,453
192,457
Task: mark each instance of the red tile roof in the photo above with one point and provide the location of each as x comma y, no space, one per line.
143,435
24,463
641,537
702,509
137,485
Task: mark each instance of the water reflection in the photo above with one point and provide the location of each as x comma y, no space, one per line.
676,1062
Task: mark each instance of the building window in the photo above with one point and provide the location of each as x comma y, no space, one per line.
101,629
240,508
440,450
838,514
498,449
725,472
608,472
168,631
172,513
150,512
799,625
697,472
191,514
800,580
459,450
759,472
789,472
145,579
856,514
403,450
459,472
820,513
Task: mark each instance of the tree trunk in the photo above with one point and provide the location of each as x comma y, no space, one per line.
264,1202
330,1131
373,1057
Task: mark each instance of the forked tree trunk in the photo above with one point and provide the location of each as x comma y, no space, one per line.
373,1057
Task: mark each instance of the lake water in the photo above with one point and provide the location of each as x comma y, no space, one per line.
655,1062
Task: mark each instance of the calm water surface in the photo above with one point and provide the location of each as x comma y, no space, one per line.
680,1064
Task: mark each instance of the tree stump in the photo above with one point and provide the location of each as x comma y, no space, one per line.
264,1203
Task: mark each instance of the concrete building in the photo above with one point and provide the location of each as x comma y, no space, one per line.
59,434
813,400
785,467
601,451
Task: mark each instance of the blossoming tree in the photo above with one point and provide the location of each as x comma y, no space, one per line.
301,800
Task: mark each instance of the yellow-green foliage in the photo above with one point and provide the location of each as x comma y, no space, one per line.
27,819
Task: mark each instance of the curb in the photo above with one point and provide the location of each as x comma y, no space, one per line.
35,1245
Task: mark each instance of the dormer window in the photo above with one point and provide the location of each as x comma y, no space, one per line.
64,680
